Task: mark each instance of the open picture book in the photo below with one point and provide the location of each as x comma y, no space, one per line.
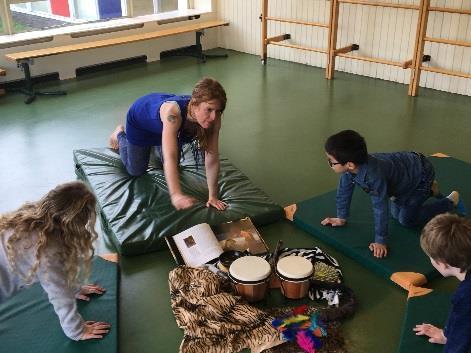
203,243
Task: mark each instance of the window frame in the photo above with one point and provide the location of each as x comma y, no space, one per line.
183,9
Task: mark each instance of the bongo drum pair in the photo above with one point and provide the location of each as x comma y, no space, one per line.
251,276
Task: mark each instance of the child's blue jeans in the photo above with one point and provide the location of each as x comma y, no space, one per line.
415,210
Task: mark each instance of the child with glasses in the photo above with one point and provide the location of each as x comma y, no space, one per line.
398,183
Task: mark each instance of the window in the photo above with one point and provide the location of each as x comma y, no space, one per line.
21,16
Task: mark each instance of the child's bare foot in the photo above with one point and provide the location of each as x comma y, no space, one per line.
113,140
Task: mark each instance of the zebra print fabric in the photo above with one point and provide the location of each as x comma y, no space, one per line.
213,320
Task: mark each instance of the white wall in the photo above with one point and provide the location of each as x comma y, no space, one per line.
383,33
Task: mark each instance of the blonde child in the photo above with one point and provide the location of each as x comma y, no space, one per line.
51,242
446,239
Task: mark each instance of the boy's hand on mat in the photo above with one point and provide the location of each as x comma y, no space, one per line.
88,289
94,329
436,334
334,222
379,250
217,204
182,201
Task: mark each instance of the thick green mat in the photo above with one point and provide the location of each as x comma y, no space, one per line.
404,254
28,323
433,309
136,212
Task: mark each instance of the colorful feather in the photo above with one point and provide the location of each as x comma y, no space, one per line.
277,323
305,342
317,327
300,309
305,330
294,320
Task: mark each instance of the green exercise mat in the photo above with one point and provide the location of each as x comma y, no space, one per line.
404,253
136,212
433,309
28,323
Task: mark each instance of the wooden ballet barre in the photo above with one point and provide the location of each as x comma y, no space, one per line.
372,60
445,72
279,38
381,4
347,49
407,64
445,9
448,41
315,24
294,46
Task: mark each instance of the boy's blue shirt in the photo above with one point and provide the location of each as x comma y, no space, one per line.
458,326
385,175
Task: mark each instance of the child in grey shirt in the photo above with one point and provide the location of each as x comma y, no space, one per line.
50,242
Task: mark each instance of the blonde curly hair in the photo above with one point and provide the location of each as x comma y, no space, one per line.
66,216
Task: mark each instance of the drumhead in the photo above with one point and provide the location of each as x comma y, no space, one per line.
250,269
294,267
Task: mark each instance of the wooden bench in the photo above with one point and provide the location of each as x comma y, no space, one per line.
24,58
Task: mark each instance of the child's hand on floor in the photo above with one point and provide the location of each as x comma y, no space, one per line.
378,250
436,334
88,289
334,222
94,329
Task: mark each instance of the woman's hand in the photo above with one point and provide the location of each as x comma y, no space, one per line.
378,250
94,329
88,289
435,334
334,222
182,201
216,203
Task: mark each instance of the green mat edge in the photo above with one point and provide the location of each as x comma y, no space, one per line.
81,175
87,345
135,248
407,328
341,247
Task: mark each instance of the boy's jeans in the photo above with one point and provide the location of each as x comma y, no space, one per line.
414,211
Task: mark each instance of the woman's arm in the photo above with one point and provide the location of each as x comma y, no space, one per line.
212,168
172,120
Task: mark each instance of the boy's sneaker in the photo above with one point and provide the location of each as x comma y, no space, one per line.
458,203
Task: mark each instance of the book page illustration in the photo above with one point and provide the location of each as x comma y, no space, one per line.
198,245
240,235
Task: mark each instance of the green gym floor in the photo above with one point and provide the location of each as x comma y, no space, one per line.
274,127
